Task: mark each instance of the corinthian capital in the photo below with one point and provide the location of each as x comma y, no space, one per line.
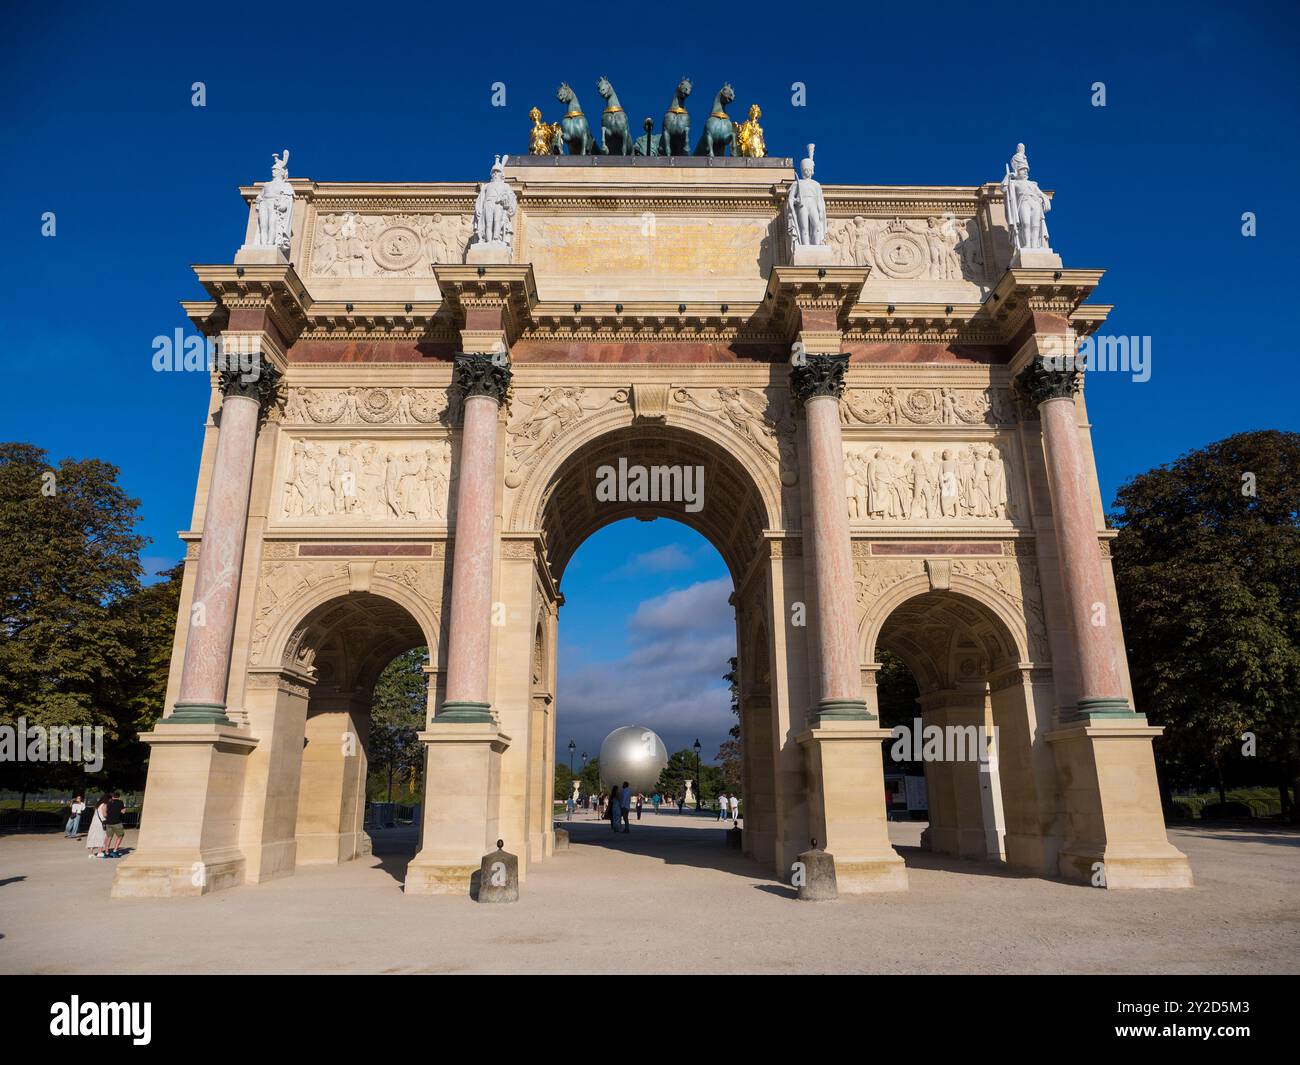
260,381
818,375
483,375
1051,377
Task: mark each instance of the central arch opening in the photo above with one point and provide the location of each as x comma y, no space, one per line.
650,636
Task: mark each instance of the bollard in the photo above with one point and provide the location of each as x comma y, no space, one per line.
498,877
561,839
814,876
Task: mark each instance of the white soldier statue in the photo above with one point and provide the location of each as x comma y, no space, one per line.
805,211
1026,204
274,207
494,210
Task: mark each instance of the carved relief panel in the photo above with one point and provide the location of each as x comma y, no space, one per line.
934,249
344,481
932,481
349,244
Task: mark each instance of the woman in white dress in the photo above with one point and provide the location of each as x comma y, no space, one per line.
96,836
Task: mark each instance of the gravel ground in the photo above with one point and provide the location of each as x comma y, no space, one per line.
668,898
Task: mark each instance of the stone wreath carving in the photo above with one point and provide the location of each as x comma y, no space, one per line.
355,245
927,406
367,406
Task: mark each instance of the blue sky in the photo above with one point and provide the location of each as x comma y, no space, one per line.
1200,126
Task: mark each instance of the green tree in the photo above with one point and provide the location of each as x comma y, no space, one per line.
896,694
1207,566
397,715
730,754
69,562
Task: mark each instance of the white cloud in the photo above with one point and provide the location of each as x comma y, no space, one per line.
667,559
671,678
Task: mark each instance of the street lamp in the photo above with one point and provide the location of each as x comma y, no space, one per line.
699,784
572,747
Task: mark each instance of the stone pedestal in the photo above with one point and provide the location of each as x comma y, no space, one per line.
189,827
1035,259
846,804
488,253
253,255
813,255
463,784
1114,821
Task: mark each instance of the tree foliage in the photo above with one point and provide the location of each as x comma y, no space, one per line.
730,754
1207,566
69,556
398,711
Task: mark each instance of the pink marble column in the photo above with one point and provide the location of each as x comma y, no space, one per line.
819,382
483,384
211,631
1101,684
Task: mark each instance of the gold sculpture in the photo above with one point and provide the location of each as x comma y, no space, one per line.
544,138
749,135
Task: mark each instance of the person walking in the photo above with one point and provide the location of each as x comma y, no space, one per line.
625,797
73,827
640,801
722,806
96,834
114,827
615,809
735,806
681,801
655,799
568,808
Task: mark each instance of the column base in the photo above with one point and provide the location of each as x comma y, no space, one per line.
189,828
1106,706
846,804
1115,829
158,875
461,807
1122,868
198,714
867,876
436,878
842,710
463,712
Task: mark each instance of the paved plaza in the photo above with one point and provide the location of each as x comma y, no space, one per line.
667,898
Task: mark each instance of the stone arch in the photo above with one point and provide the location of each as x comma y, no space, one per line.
763,475
996,616
741,499
286,643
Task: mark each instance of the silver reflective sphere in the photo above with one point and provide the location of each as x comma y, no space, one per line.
634,754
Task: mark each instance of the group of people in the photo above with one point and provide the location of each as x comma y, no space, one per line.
617,806
107,830
728,806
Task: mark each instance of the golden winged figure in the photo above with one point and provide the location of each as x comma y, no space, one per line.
544,137
749,135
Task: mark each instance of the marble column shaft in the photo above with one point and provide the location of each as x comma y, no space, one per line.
1101,684
211,632
470,629
832,553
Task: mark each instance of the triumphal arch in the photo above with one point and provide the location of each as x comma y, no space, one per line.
875,384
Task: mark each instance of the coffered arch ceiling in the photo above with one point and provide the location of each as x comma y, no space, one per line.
732,515
947,639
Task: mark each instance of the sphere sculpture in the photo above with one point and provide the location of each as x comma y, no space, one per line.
635,754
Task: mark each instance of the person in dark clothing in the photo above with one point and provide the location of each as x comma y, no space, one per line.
615,808
640,802
626,799
114,829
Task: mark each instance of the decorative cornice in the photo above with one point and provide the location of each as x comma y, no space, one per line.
277,290
818,375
